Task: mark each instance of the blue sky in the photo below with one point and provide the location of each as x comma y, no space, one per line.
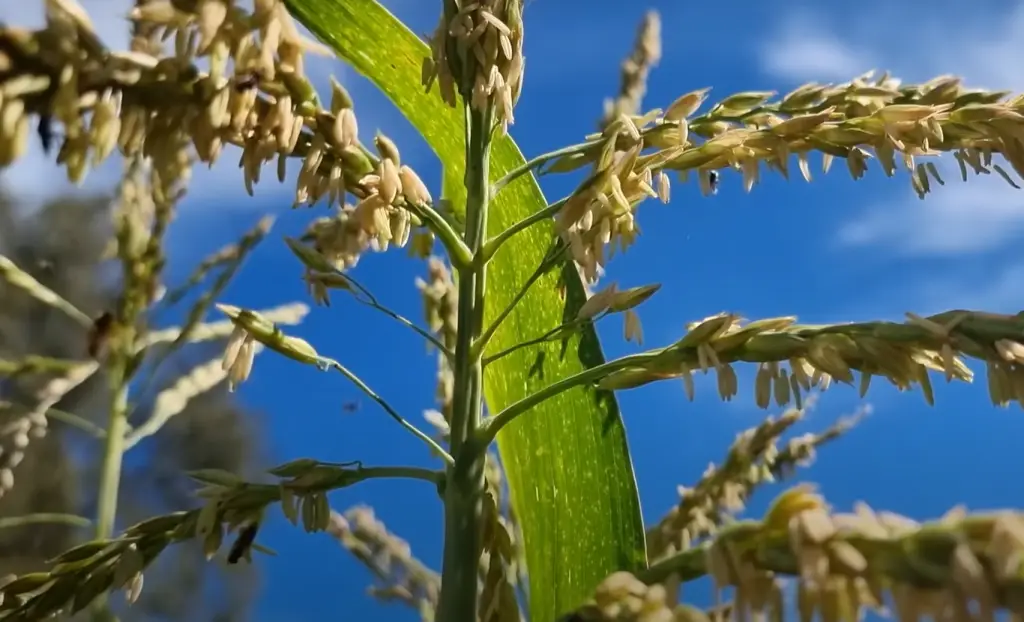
831,250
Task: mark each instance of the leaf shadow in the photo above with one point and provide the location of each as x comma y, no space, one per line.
589,348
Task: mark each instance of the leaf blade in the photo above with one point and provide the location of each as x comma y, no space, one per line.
578,504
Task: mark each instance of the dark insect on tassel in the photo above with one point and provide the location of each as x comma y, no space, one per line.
99,333
45,131
243,543
246,82
713,181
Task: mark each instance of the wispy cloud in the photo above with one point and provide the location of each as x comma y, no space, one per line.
802,49
986,283
998,292
979,215
982,45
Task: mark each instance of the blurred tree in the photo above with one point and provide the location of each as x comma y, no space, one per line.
62,245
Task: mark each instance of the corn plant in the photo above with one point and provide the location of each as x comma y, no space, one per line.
503,262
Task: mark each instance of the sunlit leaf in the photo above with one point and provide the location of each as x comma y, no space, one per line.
567,462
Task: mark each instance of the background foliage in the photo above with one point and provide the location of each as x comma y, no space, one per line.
61,243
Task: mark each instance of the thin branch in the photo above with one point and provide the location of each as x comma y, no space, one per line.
757,457
903,353
689,565
370,300
245,246
16,277
44,518
458,253
396,472
243,501
401,576
197,312
540,161
33,364
553,254
362,386
224,257
481,343
490,428
173,400
491,246
288,314
79,422
552,334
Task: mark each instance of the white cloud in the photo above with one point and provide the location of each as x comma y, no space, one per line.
36,177
982,45
990,286
799,50
959,217
998,292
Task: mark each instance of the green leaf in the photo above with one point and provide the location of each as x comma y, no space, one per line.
567,463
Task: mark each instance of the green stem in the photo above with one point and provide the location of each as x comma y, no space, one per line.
113,451
398,472
459,254
74,420
489,430
540,161
468,369
373,395
44,518
492,245
113,455
686,566
458,601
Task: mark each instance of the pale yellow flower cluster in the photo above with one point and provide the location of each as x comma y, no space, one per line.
489,35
